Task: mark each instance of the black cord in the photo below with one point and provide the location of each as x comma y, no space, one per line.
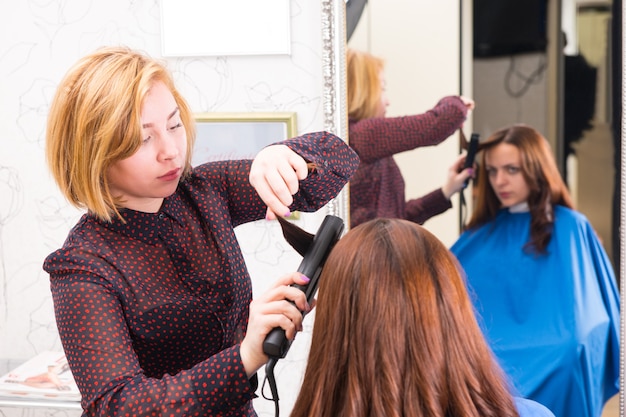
529,80
463,208
271,380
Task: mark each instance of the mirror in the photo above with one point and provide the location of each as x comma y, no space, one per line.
410,89
530,93
525,87
334,103
588,146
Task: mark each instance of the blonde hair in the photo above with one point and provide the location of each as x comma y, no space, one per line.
364,84
94,122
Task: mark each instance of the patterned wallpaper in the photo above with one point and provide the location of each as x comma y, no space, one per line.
39,40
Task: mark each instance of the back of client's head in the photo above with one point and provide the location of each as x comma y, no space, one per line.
395,333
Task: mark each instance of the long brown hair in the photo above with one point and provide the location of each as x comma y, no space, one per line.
541,174
364,84
395,333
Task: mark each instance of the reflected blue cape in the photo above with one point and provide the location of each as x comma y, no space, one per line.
551,320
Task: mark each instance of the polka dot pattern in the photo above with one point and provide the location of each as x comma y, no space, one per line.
151,311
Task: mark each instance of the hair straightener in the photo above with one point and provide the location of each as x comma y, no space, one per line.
471,154
315,250
276,344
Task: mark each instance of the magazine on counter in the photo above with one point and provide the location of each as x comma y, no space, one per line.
45,376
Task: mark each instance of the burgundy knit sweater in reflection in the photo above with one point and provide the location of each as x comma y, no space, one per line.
377,188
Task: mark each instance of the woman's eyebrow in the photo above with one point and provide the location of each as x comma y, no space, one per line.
172,114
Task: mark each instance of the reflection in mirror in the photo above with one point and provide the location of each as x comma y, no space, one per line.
415,85
512,88
538,88
526,87
354,9
588,139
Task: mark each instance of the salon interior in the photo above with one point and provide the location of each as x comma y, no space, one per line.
429,53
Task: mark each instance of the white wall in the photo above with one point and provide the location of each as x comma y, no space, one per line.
38,43
522,88
511,89
420,43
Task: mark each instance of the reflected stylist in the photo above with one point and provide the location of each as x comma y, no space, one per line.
378,188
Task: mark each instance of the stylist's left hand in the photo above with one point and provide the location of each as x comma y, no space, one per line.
457,177
275,174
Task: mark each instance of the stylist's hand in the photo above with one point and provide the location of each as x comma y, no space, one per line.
275,174
456,180
273,310
469,103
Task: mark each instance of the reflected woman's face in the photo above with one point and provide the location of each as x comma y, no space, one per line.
384,100
503,164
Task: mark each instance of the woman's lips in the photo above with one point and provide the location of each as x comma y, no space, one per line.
171,175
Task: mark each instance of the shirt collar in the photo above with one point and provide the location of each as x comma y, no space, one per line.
145,226
519,208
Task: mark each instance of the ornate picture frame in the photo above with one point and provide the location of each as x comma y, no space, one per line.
222,136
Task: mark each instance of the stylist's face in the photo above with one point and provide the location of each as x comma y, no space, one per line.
503,164
152,173
384,100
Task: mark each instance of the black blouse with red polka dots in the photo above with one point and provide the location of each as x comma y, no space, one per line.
150,311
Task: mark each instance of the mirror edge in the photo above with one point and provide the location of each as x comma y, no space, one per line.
335,85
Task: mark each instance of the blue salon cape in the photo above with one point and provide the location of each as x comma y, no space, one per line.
551,320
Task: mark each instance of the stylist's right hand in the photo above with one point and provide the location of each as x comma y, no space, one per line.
469,103
269,311
275,174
